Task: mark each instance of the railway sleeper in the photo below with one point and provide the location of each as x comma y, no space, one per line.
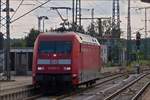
113,88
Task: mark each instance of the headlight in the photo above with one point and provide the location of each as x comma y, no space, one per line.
67,68
74,75
40,68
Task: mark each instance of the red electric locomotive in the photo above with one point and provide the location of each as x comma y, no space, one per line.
65,58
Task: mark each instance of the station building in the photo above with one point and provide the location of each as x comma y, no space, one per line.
21,61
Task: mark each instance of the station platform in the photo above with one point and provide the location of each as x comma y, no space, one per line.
17,81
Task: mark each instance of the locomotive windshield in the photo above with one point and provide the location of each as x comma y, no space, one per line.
55,46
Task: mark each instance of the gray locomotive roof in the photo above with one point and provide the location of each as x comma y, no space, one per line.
81,37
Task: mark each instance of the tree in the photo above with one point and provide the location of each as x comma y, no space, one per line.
99,28
91,31
18,43
106,26
31,37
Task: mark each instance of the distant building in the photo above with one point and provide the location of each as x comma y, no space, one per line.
104,53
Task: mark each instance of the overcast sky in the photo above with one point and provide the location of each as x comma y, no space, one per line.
103,8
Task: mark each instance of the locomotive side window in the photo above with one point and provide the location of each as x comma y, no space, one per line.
55,46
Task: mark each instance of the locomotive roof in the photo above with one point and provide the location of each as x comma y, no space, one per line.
88,39
81,37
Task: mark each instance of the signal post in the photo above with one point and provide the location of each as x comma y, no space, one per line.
138,43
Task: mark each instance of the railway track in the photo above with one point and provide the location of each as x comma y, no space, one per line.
94,92
107,80
133,90
91,92
102,77
82,89
103,82
141,92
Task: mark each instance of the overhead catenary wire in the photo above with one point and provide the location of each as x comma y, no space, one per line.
30,11
65,1
17,9
11,21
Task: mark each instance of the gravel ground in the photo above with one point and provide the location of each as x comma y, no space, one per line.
147,95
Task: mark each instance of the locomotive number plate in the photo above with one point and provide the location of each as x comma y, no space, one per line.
54,61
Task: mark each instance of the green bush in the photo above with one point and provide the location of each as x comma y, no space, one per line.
141,63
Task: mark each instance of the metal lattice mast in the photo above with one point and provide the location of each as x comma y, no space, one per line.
2,16
116,16
2,26
129,23
128,34
73,15
77,14
1,51
0,13
115,32
5,29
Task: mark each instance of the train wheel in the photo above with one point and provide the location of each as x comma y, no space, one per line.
88,84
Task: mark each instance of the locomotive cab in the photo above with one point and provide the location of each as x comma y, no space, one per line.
54,62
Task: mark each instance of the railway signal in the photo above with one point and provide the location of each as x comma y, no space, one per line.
138,40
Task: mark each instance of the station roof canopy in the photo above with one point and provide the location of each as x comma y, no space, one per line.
148,1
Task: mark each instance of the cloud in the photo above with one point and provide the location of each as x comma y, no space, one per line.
103,8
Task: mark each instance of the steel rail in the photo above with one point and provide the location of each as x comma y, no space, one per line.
33,97
114,76
108,79
141,91
23,90
125,87
82,90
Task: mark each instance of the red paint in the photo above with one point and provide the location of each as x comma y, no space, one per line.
83,56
